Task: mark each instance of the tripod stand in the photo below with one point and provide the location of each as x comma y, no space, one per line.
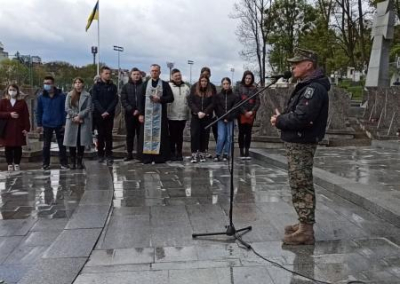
230,229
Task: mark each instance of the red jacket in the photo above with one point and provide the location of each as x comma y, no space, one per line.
14,136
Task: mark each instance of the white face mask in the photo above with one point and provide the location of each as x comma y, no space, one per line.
12,93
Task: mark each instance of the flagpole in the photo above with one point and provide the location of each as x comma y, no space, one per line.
98,38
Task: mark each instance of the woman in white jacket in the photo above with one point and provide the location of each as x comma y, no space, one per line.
178,114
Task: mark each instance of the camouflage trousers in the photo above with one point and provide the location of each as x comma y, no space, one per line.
300,169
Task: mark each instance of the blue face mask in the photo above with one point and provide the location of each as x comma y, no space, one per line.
47,87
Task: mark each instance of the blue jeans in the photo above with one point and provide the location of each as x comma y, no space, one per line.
224,137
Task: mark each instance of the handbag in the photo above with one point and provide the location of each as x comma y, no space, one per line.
3,127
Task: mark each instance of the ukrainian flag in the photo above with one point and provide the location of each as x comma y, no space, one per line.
93,16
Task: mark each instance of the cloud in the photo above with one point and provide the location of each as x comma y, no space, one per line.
151,31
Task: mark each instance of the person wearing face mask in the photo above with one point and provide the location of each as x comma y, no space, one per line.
247,113
78,134
50,117
15,111
201,106
224,102
178,114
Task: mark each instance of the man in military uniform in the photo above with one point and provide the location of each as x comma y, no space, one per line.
302,126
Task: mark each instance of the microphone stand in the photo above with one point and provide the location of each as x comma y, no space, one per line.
230,229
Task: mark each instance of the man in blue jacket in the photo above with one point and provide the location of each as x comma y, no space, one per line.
105,100
50,117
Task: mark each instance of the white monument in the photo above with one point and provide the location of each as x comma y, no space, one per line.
382,33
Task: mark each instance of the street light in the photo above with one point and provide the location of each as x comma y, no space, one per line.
94,52
233,72
118,49
190,62
170,65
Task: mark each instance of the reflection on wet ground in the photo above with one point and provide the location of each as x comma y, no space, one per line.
365,165
37,193
158,207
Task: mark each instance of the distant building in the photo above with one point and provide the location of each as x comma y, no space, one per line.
3,54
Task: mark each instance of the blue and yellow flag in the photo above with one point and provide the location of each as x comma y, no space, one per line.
93,16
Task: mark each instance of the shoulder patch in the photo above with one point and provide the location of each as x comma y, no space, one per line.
308,94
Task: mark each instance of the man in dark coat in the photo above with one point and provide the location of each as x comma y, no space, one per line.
105,100
302,126
154,138
130,98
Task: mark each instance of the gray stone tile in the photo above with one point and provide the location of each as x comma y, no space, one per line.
26,255
200,264
198,276
88,217
121,256
46,225
16,227
140,277
51,271
73,243
12,273
171,254
116,268
7,245
101,197
40,238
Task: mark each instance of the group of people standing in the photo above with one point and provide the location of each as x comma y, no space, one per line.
156,113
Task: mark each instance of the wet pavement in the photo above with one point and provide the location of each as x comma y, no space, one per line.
156,208
35,206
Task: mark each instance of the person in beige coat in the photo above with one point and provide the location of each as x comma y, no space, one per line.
78,126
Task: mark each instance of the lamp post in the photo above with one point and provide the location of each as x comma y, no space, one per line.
94,52
170,65
190,62
118,49
233,73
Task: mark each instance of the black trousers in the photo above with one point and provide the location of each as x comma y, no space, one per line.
13,155
47,136
81,149
199,136
104,137
176,128
132,125
214,131
245,135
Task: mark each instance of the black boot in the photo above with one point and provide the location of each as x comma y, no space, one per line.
129,157
80,165
173,156
73,163
247,154
242,156
179,156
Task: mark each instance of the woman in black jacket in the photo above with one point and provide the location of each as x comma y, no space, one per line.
223,102
201,105
247,113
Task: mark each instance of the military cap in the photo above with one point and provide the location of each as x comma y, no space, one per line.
303,55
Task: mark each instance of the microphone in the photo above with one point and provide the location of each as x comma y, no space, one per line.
285,75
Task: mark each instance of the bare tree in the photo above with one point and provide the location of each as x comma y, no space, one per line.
253,31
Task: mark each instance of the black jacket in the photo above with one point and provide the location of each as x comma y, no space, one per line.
104,97
305,117
201,104
223,102
131,96
243,92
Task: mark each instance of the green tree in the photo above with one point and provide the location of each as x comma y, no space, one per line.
12,71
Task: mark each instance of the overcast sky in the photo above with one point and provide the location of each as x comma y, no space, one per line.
151,31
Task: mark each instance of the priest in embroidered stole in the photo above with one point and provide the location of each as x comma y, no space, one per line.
154,138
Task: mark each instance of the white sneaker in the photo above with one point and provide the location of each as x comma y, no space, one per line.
202,157
10,168
194,158
17,168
